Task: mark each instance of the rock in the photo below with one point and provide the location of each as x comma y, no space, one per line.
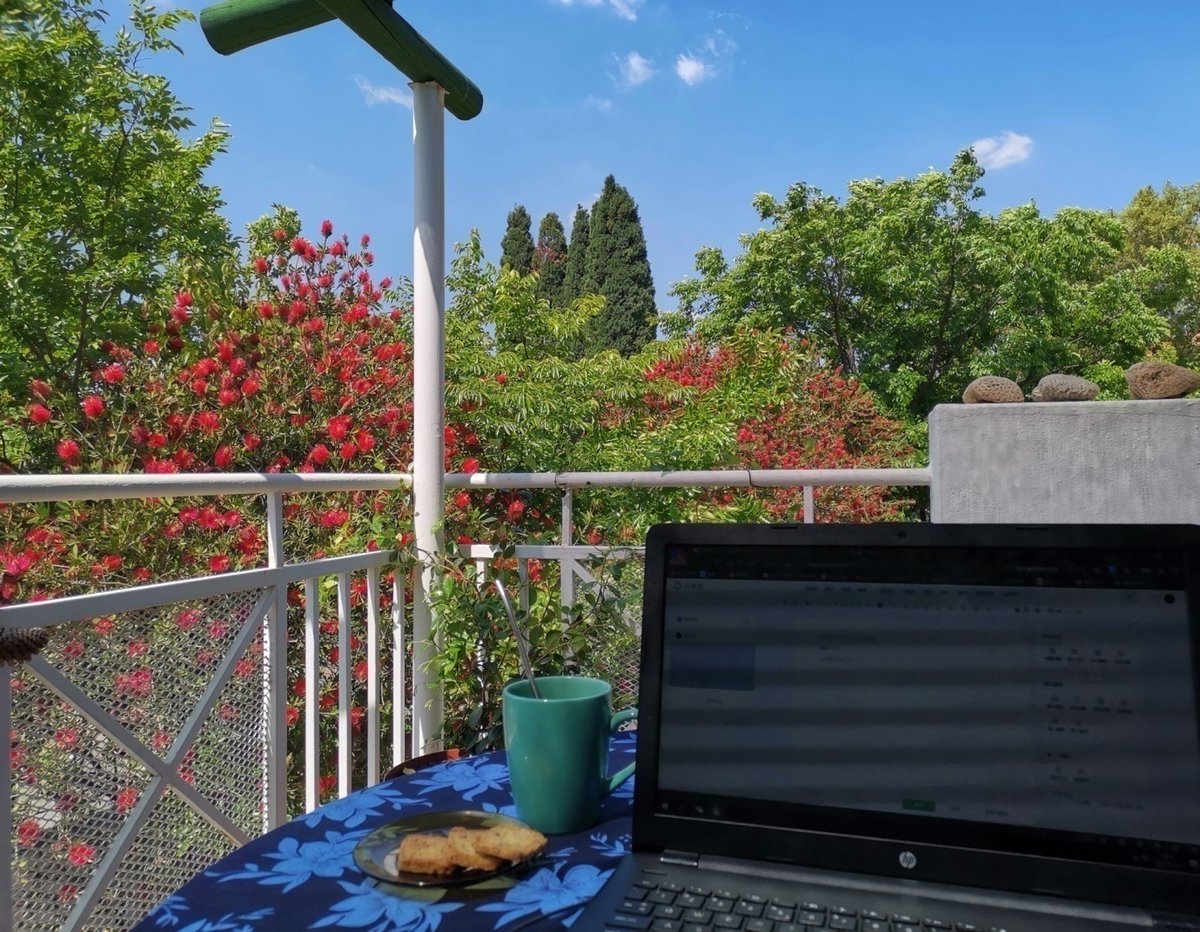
1160,380
1059,387
992,389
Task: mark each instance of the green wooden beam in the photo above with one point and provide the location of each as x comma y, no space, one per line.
238,24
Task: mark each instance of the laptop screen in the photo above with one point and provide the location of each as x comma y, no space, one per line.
1020,697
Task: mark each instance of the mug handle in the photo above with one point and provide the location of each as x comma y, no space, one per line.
625,772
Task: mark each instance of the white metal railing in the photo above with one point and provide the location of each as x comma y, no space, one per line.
266,618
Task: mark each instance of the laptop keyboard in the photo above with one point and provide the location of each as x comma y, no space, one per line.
667,906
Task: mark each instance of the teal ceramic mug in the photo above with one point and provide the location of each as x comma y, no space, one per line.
557,750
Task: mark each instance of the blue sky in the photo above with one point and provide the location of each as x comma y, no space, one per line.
696,106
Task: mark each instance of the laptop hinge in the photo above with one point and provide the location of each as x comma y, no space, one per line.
680,858
1183,923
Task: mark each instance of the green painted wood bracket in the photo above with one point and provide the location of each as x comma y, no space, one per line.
237,24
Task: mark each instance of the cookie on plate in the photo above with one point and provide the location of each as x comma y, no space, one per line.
425,854
510,842
462,841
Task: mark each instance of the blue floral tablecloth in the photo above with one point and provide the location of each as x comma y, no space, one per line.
303,876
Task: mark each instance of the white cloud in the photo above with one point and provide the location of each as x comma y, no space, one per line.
382,95
626,9
602,104
692,70
634,70
1008,148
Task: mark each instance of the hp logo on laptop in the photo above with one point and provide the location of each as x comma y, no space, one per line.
908,860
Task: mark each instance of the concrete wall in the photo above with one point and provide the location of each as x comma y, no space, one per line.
1067,462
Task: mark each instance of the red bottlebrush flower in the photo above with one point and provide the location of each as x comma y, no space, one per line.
516,508
184,299
200,386
113,374
223,458
292,715
337,249
113,562
594,538
535,570
93,406
366,240
150,347
180,314
39,413
501,378
184,459
299,245
228,396
142,574
127,798
137,647
219,564
68,893
28,832
327,783
465,540
66,738
68,452
244,667
470,465
251,442
40,388
81,855
73,649
266,310
326,227
160,741
338,427
250,386
462,500
156,441
348,450
360,671
364,440
319,454
104,626
279,234
299,686
385,283
217,630
328,699
208,421
261,266
334,517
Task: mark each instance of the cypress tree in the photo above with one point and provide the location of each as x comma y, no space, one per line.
516,249
550,259
573,285
616,266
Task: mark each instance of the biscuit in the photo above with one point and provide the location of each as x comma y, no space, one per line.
425,854
462,841
509,842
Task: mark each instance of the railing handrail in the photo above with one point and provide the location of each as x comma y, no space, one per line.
16,489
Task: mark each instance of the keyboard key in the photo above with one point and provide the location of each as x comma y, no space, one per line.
671,885
966,927
696,927
744,908
689,900
810,918
874,925
779,913
784,902
936,924
661,896
646,882
719,904
790,927
725,894
697,915
875,914
812,907
698,891
905,927
842,911
636,908
668,912
843,922
910,920
758,925
623,921
754,898
666,925
727,921
636,893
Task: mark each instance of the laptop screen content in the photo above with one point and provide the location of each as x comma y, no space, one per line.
1001,697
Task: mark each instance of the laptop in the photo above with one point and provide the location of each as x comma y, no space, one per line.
915,727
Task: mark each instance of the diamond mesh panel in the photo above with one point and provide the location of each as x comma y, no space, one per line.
617,655
72,790
74,787
172,847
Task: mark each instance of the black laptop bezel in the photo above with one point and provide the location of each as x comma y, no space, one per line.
1039,872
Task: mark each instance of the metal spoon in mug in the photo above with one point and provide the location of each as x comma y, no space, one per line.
519,635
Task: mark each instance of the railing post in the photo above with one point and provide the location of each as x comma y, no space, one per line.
810,514
566,572
274,768
429,365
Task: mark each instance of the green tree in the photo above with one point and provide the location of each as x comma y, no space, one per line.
550,259
909,286
572,286
516,249
102,197
616,266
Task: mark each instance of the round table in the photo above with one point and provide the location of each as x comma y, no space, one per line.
303,876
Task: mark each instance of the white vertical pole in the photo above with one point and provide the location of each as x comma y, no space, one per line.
566,572
429,368
810,511
399,660
344,758
275,678
372,676
8,863
312,709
